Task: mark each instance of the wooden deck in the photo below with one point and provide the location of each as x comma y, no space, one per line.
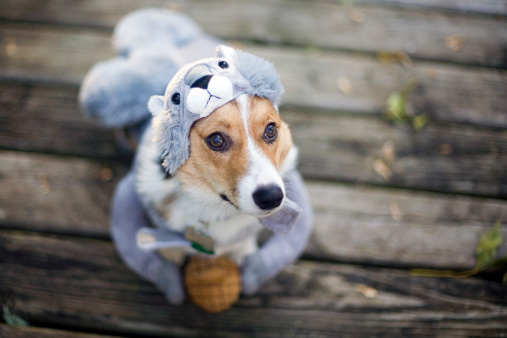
387,197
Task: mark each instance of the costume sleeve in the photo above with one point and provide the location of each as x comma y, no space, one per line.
281,249
127,217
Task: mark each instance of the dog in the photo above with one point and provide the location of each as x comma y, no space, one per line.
239,155
215,163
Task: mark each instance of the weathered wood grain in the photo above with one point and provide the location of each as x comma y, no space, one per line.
336,90
328,80
362,84
421,34
339,147
498,7
62,194
357,224
336,25
401,228
37,332
449,158
51,54
48,119
81,284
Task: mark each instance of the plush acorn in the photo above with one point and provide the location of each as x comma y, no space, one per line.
213,284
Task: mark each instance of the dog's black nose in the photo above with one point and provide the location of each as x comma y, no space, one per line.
202,82
268,197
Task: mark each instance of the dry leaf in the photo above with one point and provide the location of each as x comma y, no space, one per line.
454,43
432,73
394,208
394,56
444,149
344,85
44,184
356,16
106,174
174,6
388,152
11,48
367,291
382,169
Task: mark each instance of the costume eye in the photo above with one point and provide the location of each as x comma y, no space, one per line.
218,142
223,64
270,133
176,98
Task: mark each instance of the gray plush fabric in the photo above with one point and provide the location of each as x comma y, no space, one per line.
127,217
153,44
245,74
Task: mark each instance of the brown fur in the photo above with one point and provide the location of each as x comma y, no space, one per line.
219,172
263,113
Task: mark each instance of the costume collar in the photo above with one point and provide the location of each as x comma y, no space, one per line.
161,237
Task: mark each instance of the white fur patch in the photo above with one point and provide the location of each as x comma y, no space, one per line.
261,171
204,101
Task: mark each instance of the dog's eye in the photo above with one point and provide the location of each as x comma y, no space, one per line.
217,142
270,133
223,64
176,98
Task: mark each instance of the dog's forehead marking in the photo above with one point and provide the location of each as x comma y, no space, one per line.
263,165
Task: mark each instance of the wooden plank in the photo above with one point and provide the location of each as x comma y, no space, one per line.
37,332
497,7
40,53
337,25
447,158
328,80
332,146
348,148
96,291
367,225
352,223
421,34
61,194
362,84
48,119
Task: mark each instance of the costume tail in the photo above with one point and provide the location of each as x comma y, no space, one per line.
152,44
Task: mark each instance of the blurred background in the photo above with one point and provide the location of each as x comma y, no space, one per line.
398,108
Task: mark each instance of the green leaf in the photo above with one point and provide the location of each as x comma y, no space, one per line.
442,273
420,121
395,107
488,245
12,319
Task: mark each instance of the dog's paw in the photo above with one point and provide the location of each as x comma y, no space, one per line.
254,274
170,282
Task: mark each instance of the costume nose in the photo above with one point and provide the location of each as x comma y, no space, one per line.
202,82
268,197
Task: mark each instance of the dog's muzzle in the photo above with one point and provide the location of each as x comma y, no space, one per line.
268,197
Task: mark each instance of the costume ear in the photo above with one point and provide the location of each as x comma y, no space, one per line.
156,104
225,52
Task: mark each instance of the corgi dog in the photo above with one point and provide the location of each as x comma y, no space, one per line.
214,164
234,176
